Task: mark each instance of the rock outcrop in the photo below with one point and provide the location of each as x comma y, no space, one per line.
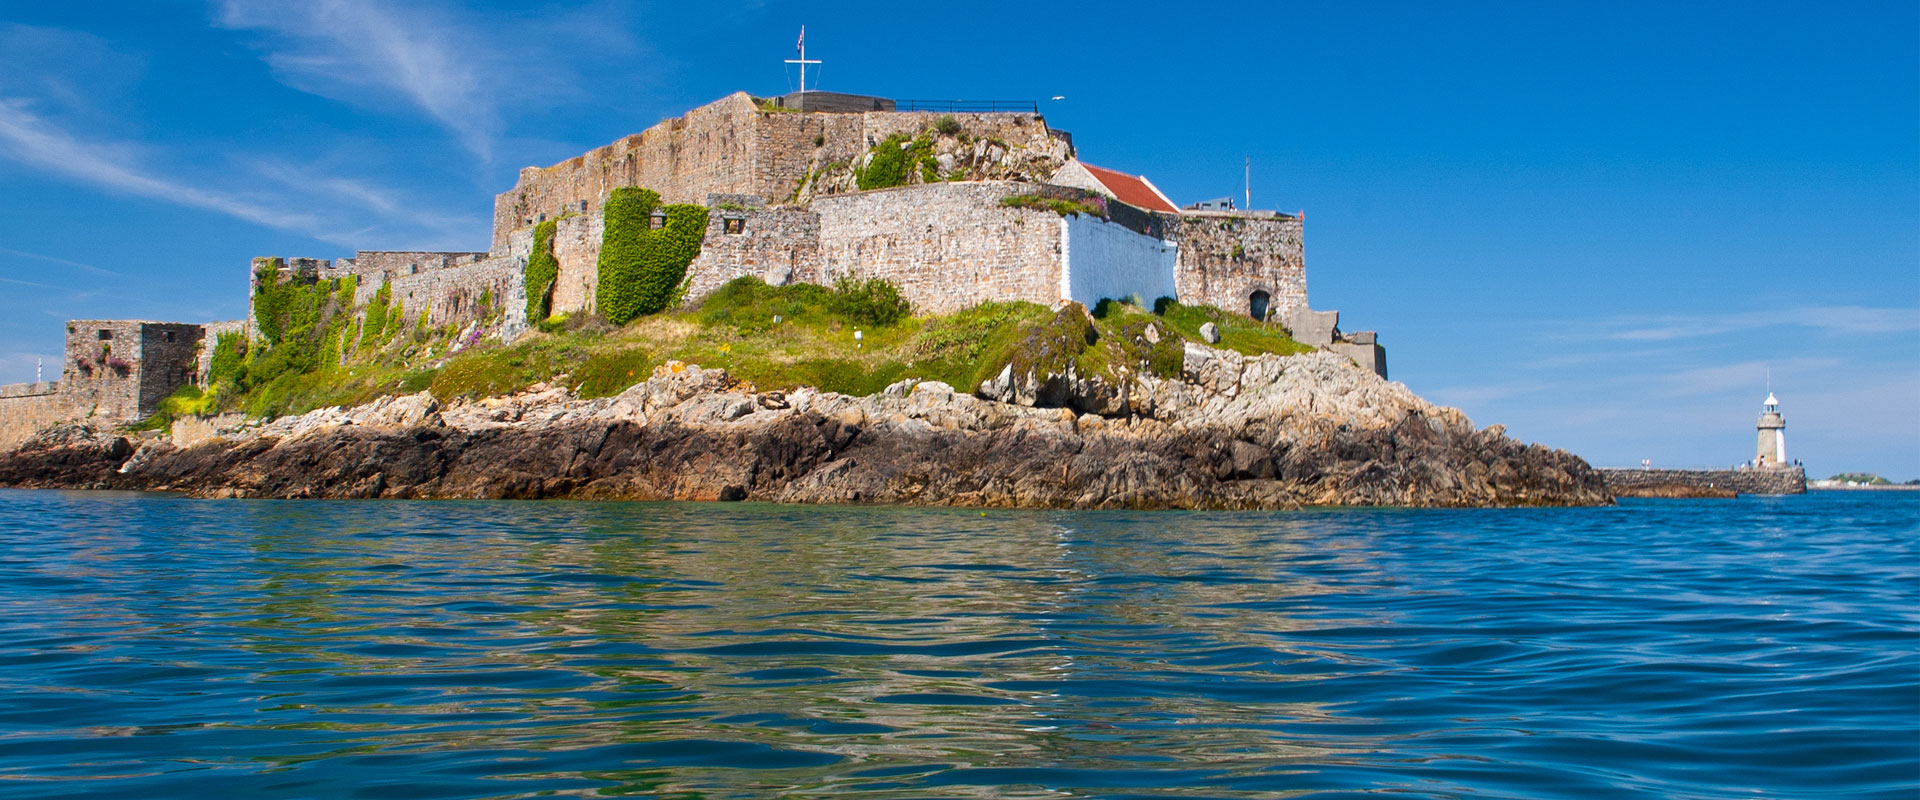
1233,432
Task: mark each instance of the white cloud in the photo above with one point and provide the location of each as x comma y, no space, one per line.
37,143
1828,319
352,49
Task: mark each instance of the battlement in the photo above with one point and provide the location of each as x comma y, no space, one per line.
739,145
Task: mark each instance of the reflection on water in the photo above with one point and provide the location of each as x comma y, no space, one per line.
157,646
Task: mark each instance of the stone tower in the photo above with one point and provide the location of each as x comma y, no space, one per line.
1772,453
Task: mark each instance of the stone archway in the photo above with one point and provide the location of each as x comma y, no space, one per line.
1257,304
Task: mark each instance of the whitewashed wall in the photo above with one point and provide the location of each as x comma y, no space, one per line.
1100,259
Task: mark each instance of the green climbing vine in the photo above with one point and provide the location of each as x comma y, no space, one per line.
542,270
640,266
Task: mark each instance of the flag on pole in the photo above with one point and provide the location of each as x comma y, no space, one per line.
801,45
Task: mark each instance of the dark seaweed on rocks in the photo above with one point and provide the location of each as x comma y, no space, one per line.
1232,432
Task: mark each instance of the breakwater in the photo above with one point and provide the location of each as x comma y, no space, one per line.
1665,482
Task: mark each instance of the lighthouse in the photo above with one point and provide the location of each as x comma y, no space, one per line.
1772,452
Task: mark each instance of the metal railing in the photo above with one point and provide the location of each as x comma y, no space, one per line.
969,106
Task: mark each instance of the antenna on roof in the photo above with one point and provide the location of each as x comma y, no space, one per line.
802,60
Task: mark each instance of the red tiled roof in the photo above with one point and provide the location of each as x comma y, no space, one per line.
1130,189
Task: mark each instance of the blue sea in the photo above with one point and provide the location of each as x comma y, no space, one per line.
153,646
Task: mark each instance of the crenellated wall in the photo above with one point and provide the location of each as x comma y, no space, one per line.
731,146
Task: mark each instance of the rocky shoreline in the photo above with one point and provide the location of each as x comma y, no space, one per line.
1232,432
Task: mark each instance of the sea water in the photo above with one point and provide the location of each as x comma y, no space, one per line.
157,646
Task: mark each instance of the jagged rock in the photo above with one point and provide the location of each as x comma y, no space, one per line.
1235,432
1209,333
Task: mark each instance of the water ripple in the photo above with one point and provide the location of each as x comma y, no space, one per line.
153,646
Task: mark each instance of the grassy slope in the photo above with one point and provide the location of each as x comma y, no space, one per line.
812,344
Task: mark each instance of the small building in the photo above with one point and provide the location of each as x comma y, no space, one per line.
121,369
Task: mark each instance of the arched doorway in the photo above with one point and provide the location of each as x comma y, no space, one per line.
1257,304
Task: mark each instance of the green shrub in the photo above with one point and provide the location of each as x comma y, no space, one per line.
948,126
641,268
873,301
748,304
542,270
894,161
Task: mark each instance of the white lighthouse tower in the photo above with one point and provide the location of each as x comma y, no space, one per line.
1772,452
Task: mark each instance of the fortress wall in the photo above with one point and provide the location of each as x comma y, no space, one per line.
453,295
93,388
1104,259
169,359
204,363
711,149
778,245
576,244
1224,259
947,245
25,408
1744,481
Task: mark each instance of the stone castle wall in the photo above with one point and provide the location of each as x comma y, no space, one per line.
25,409
684,159
576,245
214,331
1225,258
122,369
946,245
730,146
777,245
454,295
1744,481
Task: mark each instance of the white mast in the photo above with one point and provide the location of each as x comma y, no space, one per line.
802,60
1249,184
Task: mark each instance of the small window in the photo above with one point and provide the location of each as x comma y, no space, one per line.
105,334
583,205
734,225
167,335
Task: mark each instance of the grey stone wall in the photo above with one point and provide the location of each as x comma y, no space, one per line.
453,295
777,245
1225,258
122,369
1744,481
576,245
946,245
730,146
214,331
169,359
22,415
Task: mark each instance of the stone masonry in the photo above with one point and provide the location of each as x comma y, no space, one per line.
1743,481
122,369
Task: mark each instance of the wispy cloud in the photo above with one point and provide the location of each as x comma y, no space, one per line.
461,68
1829,319
35,142
355,50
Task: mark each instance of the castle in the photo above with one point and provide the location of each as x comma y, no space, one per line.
976,218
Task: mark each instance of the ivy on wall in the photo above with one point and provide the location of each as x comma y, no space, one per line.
373,330
542,270
641,267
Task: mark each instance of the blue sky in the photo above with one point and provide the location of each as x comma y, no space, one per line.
1599,224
